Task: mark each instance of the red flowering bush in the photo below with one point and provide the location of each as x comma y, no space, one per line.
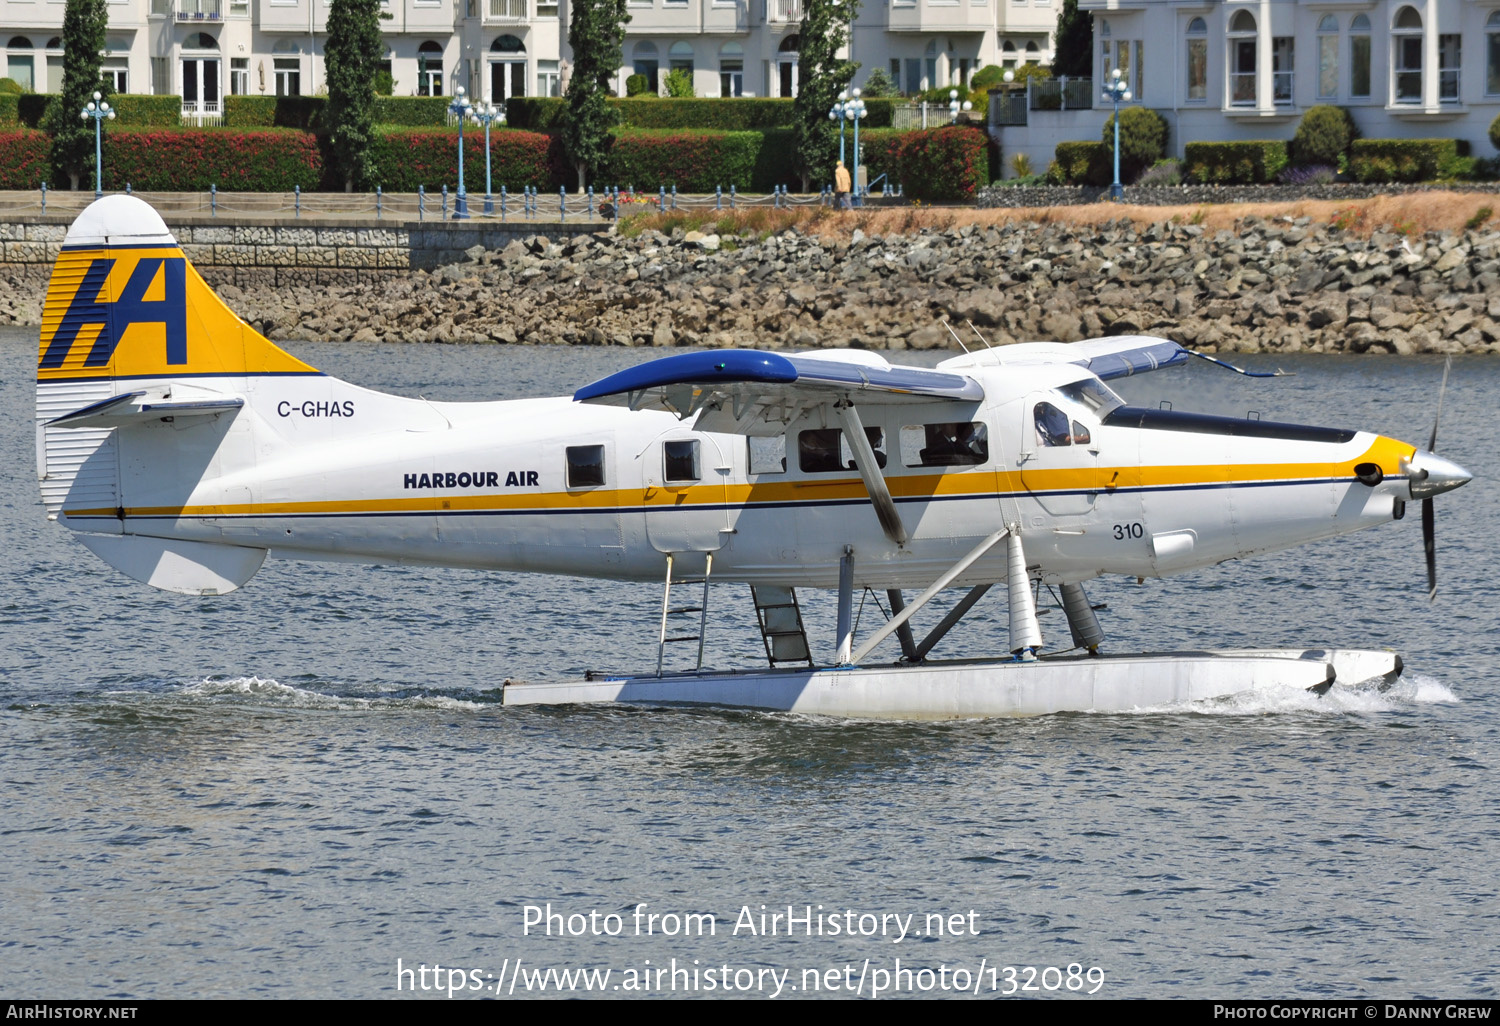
23,159
190,160
692,161
406,158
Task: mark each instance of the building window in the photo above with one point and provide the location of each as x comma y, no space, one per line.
930,57
1359,56
1450,54
1282,53
288,76
1197,60
430,69
1492,33
20,67
680,57
1406,55
1328,57
115,75
548,81
161,80
239,76
1117,53
1242,59
731,70
786,67
644,62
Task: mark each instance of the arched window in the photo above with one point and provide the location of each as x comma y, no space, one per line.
20,67
1492,41
200,41
680,57
731,69
18,43
787,79
1197,60
55,43
430,68
1406,55
1328,57
644,62
1033,53
507,44
1359,56
1243,59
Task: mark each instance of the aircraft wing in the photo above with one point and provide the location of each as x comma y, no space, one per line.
748,392
1106,358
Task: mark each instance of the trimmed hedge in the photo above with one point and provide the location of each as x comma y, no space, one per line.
134,111
692,161
1084,163
1409,160
306,112
740,114
945,164
1234,163
25,163
404,158
190,160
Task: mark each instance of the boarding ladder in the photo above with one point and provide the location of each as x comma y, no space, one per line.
780,621
668,611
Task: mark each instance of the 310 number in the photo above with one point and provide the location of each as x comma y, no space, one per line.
1124,531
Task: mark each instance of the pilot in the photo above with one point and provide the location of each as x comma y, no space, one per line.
1052,425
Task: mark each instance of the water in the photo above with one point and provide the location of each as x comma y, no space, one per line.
283,791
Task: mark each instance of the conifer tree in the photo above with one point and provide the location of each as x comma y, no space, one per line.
1073,48
596,35
821,74
351,56
84,25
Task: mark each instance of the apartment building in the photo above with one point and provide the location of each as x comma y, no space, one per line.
203,50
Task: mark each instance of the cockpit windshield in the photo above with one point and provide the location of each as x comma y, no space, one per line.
1094,395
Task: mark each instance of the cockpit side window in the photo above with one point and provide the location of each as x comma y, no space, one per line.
1052,427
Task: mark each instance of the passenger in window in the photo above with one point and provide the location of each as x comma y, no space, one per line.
818,451
1052,425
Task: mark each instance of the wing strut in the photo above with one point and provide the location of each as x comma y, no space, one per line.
869,470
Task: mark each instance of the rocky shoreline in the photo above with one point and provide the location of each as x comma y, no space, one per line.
1283,285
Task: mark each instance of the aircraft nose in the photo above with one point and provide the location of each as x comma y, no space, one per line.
1432,475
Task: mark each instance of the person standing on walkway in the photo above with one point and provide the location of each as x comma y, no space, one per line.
841,184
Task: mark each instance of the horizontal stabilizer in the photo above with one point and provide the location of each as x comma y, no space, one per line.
135,406
745,390
186,567
1106,358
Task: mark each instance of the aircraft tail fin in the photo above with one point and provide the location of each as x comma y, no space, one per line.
125,306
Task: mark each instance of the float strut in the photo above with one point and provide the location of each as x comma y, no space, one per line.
903,633
1025,632
950,621
846,607
1082,623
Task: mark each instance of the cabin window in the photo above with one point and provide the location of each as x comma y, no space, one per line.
824,450
585,466
945,445
767,455
680,460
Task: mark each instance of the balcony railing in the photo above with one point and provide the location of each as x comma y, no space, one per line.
507,10
200,10
1062,94
783,10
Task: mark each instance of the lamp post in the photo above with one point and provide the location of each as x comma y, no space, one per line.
1115,92
460,108
98,110
954,106
836,113
854,110
484,115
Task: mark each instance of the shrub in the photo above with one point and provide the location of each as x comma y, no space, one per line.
10,87
9,116
1083,163
1162,173
412,111
24,159
1020,164
146,111
879,85
1143,140
385,84
738,114
1409,160
1309,174
635,85
1323,135
1235,163
942,164
405,158
1495,132
190,160
692,161
680,84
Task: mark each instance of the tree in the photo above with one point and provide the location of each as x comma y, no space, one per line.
84,25
351,54
1073,49
596,33
821,75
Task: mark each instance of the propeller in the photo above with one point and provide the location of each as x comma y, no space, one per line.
1429,515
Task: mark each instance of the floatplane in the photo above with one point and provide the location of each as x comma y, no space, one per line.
184,448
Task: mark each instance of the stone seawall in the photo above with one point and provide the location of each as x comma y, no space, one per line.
252,254
1267,286
1042,196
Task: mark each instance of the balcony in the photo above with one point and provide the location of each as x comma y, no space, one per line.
200,10
787,12
505,12
940,17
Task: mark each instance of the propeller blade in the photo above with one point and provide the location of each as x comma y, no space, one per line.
1429,547
1432,442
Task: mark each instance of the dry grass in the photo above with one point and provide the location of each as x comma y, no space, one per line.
1410,214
